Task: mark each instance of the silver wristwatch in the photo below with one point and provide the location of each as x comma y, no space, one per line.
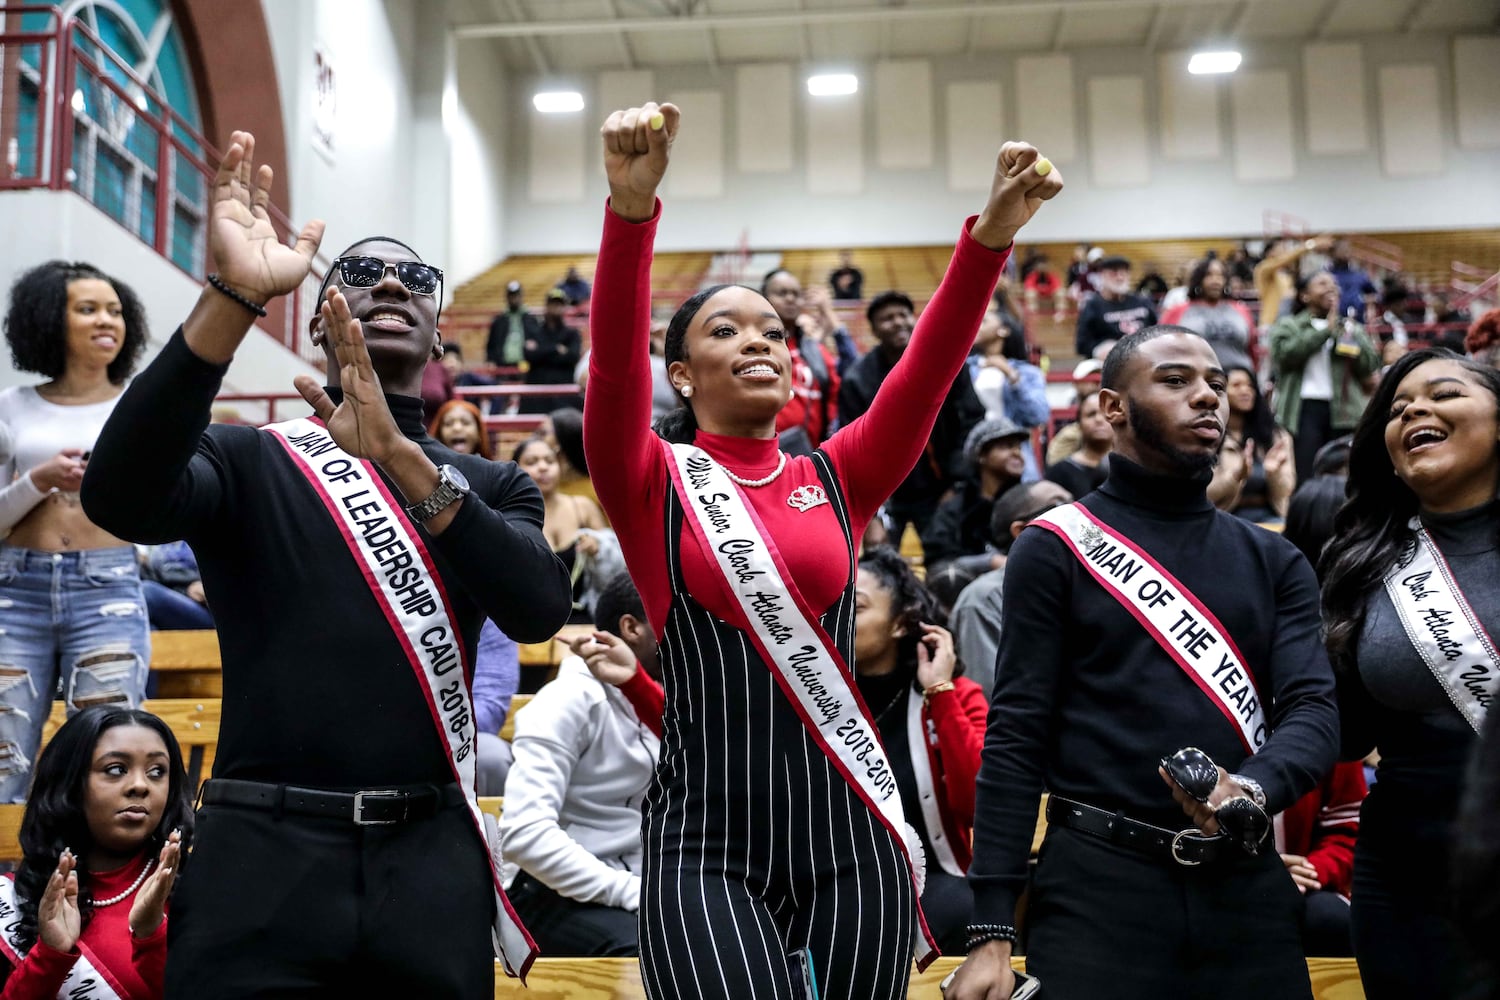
451,486
1252,789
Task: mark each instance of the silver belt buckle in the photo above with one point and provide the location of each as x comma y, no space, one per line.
381,795
1178,840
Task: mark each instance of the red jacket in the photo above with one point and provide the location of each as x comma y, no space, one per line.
950,728
813,405
1323,825
953,723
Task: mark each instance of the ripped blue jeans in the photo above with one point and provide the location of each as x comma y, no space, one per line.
73,617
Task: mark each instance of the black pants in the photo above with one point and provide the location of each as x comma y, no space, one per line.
1106,921
1325,930
300,907
1404,936
566,928
1314,429
948,906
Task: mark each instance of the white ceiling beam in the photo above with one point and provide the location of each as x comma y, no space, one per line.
1058,28
1237,22
973,31
1413,15
1158,24
1325,19
517,28
543,65
626,55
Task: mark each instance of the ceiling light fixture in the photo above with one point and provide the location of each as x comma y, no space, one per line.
832,84
555,102
1213,62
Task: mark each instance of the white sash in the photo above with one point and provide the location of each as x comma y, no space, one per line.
86,980
921,739
805,663
408,588
1184,627
1443,628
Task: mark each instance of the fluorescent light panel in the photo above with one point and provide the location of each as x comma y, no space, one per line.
1214,62
553,102
832,84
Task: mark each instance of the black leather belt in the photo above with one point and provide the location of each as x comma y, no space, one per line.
1186,847
371,807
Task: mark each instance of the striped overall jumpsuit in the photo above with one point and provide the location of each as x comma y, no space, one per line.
755,847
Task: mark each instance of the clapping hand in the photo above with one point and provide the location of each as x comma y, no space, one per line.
58,922
249,255
362,424
609,658
1023,180
150,906
637,145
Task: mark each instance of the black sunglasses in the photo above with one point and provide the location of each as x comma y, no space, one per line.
367,272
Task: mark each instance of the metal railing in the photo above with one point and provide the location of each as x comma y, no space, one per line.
74,116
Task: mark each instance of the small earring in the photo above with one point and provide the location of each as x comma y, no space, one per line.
687,391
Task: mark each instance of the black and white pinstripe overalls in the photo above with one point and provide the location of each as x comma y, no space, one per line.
755,846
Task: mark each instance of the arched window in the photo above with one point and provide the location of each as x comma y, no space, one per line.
117,153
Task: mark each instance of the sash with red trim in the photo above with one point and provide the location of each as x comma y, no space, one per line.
87,980
400,573
1443,628
1180,623
803,659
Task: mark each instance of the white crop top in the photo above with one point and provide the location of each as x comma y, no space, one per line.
39,430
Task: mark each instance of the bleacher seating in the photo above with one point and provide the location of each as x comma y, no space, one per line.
619,979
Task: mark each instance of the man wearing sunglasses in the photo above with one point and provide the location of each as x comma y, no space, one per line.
350,560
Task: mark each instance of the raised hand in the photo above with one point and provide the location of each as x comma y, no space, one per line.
58,922
150,906
63,471
362,424
935,657
1023,180
245,247
637,145
608,657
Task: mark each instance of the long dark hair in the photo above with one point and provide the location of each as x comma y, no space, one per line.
911,602
1311,514
1260,422
36,322
681,425
1371,528
54,818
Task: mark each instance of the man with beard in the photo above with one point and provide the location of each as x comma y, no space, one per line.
1114,313
1139,621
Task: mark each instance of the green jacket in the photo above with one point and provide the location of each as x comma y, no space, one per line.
1294,340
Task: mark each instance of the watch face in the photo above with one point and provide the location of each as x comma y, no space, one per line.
455,478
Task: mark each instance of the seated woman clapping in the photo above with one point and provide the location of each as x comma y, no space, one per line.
102,838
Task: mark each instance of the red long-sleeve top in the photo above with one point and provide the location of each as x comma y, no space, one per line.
871,455
135,967
1323,825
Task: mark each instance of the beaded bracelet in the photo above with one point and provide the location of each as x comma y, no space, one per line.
223,288
985,933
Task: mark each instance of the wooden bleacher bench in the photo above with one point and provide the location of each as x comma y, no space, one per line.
620,979
187,663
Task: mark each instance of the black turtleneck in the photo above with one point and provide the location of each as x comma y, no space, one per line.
316,688
1393,700
1086,702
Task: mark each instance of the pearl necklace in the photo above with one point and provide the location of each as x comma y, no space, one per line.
780,465
111,901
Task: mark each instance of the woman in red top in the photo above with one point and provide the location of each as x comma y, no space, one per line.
760,857
102,836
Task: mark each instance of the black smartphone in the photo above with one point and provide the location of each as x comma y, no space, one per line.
1026,986
804,979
